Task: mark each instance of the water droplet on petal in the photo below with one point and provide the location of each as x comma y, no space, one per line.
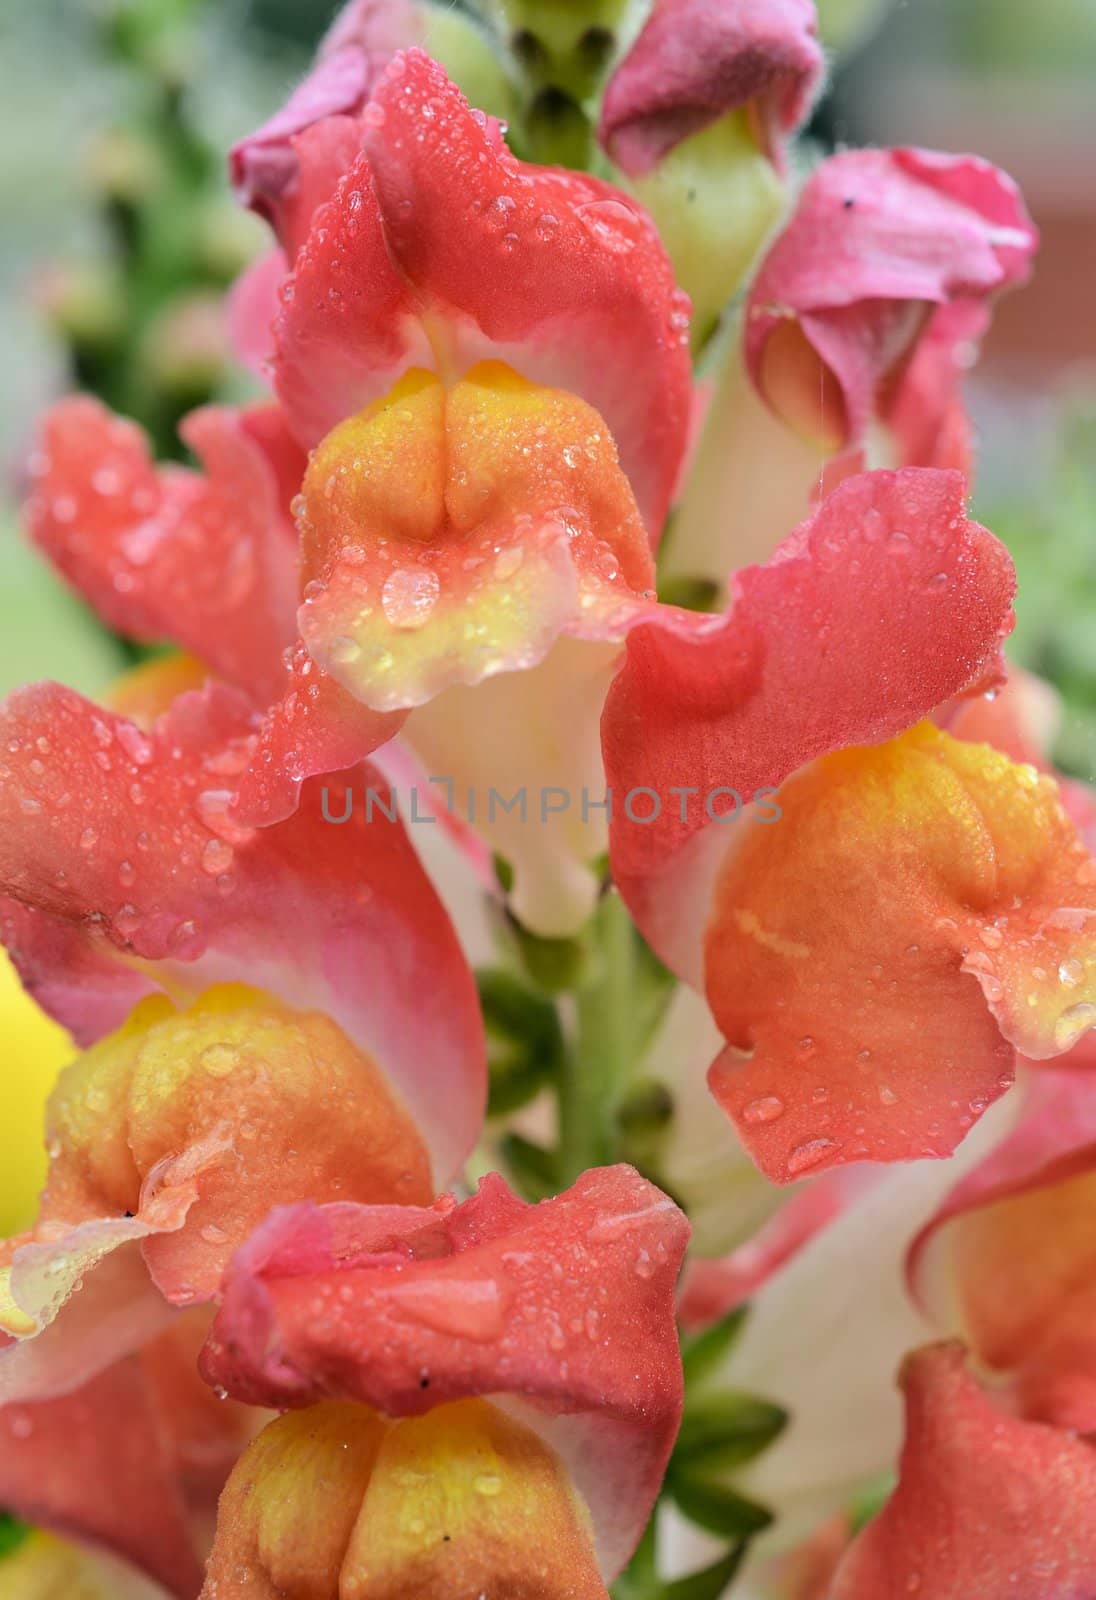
808,1155
1073,1022
766,1109
217,857
409,596
344,650
219,1060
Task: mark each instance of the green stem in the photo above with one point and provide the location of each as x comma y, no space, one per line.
603,1048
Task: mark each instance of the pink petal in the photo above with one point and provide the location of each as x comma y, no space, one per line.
552,271
878,239
697,60
986,1505
127,835
208,561
824,646
97,1465
265,167
566,1306
1011,1248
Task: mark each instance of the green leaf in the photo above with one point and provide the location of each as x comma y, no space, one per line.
726,1429
714,1506
704,1353
640,1582
870,1500
12,1534
691,594
555,965
524,1039
534,1169
707,1584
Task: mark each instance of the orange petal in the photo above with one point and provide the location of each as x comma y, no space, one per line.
335,1500
450,535
182,1129
841,953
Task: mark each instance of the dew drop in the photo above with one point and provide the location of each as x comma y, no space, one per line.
409,596
809,1154
766,1109
217,857
344,650
1073,1022
219,1060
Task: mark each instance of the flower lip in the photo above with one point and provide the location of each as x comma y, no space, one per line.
448,535
494,1510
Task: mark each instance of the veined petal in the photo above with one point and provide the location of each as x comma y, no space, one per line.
166,553
986,1505
879,239
697,60
331,916
490,1298
875,958
553,272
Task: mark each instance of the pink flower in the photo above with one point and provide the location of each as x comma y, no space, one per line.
867,304
697,60
176,1131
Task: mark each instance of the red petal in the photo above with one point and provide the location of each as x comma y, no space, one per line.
165,553
826,645
986,1505
697,60
567,1305
878,238
97,1464
552,271
127,835
315,728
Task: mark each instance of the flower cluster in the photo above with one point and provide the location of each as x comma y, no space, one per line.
474,542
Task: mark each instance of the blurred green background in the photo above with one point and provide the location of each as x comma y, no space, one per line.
119,238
